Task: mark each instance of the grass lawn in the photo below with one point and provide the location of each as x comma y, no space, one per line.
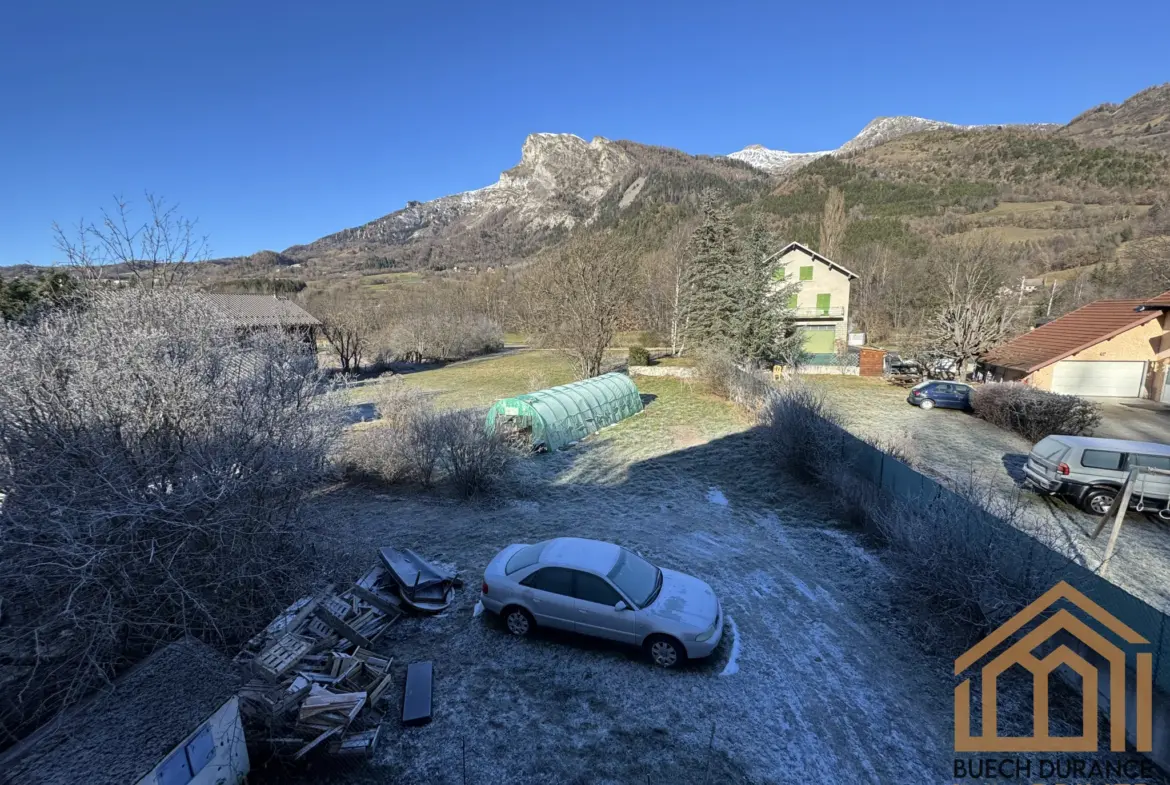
678,362
483,380
678,414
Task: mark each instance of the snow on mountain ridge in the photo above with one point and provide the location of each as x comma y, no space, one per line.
877,131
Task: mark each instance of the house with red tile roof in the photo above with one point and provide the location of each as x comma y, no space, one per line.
1108,348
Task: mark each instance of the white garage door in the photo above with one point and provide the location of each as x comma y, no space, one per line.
1104,379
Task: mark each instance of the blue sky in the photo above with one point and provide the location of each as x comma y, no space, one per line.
276,123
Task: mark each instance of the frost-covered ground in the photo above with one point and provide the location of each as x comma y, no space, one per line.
816,676
955,447
823,674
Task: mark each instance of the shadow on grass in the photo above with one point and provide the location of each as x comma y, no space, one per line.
1013,464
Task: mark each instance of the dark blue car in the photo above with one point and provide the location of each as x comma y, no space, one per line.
945,395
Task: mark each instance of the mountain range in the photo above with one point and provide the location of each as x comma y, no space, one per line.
913,174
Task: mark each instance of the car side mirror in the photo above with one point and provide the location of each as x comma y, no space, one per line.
621,606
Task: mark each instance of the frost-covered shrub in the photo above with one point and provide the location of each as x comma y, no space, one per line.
1034,413
803,435
417,443
153,465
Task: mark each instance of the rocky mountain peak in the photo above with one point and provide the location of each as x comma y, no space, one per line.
877,131
552,162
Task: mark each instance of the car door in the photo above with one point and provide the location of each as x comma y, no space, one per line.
548,594
944,395
595,599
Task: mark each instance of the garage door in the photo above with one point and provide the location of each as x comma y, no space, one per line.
1104,379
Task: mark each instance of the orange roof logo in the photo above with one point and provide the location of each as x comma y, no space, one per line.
1022,653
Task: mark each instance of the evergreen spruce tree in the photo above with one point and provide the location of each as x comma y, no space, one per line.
734,303
765,333
711,286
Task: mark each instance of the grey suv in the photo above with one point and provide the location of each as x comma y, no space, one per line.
1091,471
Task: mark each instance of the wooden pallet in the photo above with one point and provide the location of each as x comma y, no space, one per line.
279,658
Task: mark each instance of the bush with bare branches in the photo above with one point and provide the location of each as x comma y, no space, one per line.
415,442
1034,413
443,336
804,433
152,466
964,552
966,549
474,461
155,252
729,380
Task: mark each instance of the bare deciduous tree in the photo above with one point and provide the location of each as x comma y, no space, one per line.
157,251
348,325
579,297
976,308
1150,272
833,223
667,272
152,466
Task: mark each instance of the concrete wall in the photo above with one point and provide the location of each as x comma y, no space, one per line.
1023,556
677,371
230,764
1144,342
825,280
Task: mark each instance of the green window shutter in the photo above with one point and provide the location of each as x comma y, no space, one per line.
823,302
792,301
806,273
779,274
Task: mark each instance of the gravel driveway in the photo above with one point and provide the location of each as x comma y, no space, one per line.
960,449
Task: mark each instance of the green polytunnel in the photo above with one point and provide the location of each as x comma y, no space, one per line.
556,417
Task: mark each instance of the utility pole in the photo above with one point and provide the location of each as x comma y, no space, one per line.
1020,299
1051,295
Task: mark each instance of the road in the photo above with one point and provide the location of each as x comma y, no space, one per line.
962,450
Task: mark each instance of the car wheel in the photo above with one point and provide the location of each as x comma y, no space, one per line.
926,404
519,622
1098,500
665,652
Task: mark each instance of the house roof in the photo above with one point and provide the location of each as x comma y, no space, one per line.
1089,325
816,256
120,734
261,310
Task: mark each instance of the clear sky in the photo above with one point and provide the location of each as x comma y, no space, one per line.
274,123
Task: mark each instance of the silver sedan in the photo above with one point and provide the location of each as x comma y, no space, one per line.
605,591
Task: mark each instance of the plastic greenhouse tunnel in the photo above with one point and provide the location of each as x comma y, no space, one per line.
554,418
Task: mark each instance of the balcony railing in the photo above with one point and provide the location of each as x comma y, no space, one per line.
819,313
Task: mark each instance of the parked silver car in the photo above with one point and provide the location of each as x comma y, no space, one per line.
1091,471
603,590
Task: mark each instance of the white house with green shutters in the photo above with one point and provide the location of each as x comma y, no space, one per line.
822,303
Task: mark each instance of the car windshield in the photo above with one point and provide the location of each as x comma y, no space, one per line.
525,557
637,578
